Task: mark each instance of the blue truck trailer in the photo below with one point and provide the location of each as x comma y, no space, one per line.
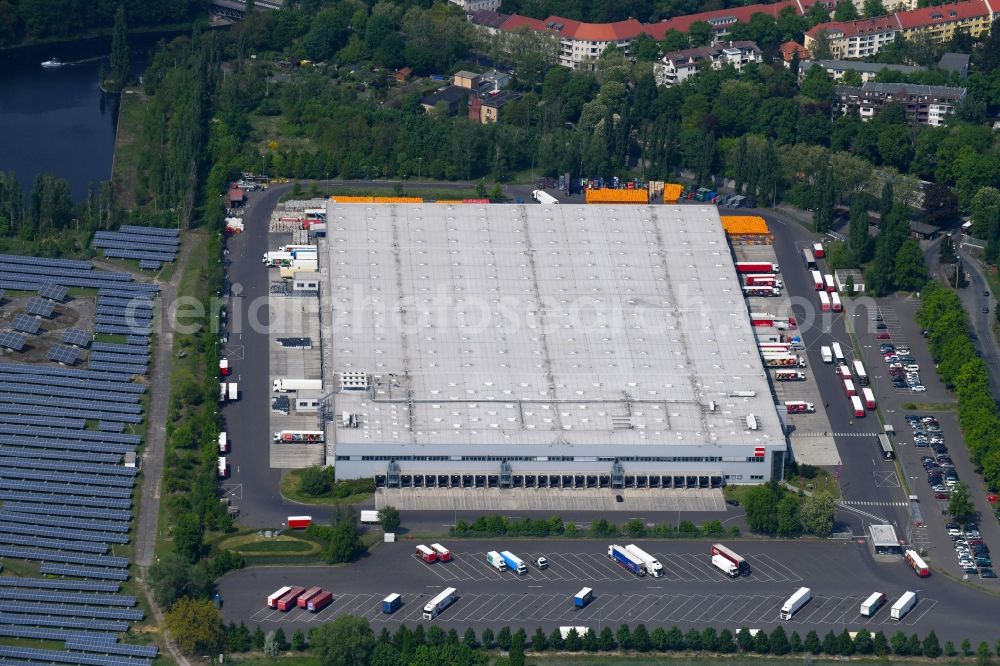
583,597
627,560
514,563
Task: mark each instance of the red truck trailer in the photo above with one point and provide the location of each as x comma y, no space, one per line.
756,267
849,389
818,250
817,278
869,397
789,375
299,522
319,602
799,407
307,595
287,602
857,406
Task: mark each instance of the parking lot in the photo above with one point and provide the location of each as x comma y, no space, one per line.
690,594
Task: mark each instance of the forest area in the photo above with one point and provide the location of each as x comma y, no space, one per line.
33,20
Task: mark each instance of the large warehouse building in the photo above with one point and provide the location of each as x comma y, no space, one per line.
543,346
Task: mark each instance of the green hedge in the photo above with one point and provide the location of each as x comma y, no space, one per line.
493,526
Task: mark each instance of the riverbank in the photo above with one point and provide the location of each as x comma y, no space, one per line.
105,33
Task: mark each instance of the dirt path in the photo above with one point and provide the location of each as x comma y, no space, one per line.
152,457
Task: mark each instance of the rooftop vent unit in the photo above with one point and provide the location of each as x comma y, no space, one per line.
354,381
743,394
751,422
711,405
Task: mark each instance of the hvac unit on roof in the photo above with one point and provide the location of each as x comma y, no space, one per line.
751,422
353,380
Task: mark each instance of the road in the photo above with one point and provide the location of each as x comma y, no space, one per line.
863,475
975,297
690,594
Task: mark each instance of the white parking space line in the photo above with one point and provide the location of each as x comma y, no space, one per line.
415,608
647,604
511,604
596,607
264,614
817,608
555,608
560,567
736,604
836,612
667,605
577,563
711,611
328,613
687,603
469,604
437,570
687,568
766,609
923,607
617,606
775,568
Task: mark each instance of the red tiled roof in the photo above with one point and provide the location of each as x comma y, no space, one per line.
943,13
789,49
865,26
517,21
735,14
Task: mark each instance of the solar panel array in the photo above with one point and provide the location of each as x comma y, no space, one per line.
149,246
53,292
39,306
13,340
66,495
26,324
63,354
76,337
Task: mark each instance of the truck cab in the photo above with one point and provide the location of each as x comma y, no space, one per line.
540,562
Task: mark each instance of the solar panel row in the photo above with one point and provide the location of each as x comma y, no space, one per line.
119,368
57,372
56,584
139,242
62,455
117,348
100,573
113,400
39,306
115,253
54,544
82,643
34,398
62,444
13,340
56,433
51,634
29,282
76,336
131,291
116,470
107,426
118,245
76,424
69,413
129,317
22,495
97,612
63,354
149,264
63,621
118,515
59,556
53,292
123,320
25,323
35,654
137,303
16,285
138,236
60,482
68,533
142,340
84,384
58,597
44,261
115,329
149,231
52,274
61,520
112,357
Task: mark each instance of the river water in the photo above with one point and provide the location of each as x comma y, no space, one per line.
57,120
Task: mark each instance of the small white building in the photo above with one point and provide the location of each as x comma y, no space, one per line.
306,282
677,66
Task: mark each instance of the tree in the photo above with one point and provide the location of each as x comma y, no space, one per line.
504,638
811,643
725,642
900,645
386,654
624,637
489,640
606,641
280,640
830,645
874,8
788,516
172,577
469,639
298,641
761,509
640,639
555,639
344,543
119,50
966,647
931,647
188,538
817,513
913,645
779,641
887,200
845,12
940,205
692,640
845,646
347,641
761,643
821,49
983,653
258,638
911,270
795,643
539,642
700,33
946,253
314,481
960,504
880,644
744,641
572,641
858,240
949,649
863,642
516,656
196,626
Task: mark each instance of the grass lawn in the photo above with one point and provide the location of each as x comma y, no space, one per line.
252,544
127,148
930,406
290,490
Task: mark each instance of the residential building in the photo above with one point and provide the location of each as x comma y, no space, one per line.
677,66
489,22
792,49
867,70
955,62
464,79
864,37
490,104
925,105
493,80
477,5
452,97
675,401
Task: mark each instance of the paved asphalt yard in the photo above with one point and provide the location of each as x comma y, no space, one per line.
691,593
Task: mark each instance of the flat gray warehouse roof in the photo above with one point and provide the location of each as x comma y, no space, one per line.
539,325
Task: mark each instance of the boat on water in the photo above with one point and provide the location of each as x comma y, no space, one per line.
54,62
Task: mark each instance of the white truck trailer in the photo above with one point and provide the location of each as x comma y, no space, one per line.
653,567
439,603
795,602
725,566
284,385
903,605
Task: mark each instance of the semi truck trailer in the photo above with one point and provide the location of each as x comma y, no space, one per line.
495,561
627,560
307,595
298,437
826,353
514,563
285,385
757,267
583,597
653,567
272,599
785,361
725,566
790,376
741,564
903,605
871,605
800,407
444,599
299,522
320,601
795,602
543,197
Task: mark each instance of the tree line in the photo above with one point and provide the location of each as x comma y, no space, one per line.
350,641
963,371
28,20
636,528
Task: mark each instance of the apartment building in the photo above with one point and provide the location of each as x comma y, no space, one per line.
867,70
677,66
925,105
